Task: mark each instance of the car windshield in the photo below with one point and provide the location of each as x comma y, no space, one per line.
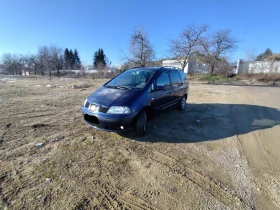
131,79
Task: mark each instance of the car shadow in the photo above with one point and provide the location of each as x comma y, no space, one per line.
244,85
207,122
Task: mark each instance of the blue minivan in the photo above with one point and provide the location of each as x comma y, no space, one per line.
124,102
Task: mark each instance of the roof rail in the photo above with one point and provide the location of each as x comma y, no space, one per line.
135,67
173,67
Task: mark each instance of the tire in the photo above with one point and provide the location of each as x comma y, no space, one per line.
140,124
182,103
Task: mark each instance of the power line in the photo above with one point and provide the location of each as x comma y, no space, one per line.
244,35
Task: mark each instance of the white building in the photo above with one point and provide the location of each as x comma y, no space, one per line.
191,67
174,63
256,67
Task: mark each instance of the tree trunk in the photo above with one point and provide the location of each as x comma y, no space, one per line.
185,63
213,67
183,66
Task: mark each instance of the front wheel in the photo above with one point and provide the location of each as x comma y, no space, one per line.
140,124
182,103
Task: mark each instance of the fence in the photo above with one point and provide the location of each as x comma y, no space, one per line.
257,67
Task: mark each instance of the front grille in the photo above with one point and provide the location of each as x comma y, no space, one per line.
91,119
87,104
103,109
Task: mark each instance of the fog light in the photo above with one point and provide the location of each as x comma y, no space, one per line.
121,127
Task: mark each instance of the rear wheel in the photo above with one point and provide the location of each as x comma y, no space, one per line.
182,103
140,124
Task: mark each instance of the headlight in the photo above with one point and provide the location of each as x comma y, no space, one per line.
93,107
118,110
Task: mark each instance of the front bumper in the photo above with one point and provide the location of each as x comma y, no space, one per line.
108,122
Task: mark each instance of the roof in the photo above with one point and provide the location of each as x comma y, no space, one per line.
156,68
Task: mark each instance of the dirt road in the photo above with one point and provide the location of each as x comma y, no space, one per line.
258,132
222,152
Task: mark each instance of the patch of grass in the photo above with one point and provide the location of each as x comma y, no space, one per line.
271,77
45,170
213,78
43,167
261,77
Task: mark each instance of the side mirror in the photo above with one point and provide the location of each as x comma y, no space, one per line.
160,88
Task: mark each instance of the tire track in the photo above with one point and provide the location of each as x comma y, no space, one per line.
210,186
117,200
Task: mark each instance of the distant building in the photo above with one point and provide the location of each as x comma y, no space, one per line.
88,67
190,68
24,72
173,63
112,69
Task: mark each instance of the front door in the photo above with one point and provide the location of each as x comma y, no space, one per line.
160,97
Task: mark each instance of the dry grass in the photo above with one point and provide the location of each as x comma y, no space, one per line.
270,79
71,154
78,167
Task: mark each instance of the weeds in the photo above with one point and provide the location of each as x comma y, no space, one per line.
213,78
270,78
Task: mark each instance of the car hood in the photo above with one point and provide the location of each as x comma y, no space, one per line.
113,97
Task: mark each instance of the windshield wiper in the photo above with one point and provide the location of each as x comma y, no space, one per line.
124,87
117,86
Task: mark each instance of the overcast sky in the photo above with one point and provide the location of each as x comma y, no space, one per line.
91,24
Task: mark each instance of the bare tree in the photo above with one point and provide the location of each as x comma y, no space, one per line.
187,45
126,65
275,58
33,63
12,63
141,51
224,68
251,54
56,59
50,59
216,46
41,66
7,60
26,64
45,58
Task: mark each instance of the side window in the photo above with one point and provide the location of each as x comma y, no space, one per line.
183,76
175,79
163,80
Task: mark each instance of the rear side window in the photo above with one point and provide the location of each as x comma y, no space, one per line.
175,78
163,80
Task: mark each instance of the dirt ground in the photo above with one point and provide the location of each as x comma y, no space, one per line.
222,152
